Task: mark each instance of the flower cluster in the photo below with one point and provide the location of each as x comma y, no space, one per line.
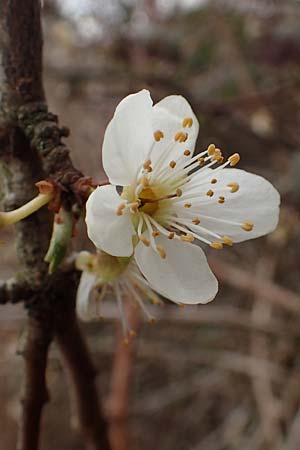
163,200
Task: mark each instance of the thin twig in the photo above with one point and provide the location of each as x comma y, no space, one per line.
249,282
268,405
117,403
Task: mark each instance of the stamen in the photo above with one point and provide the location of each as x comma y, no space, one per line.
234,159
211,149
161,251
247,226
227,240
180,137
216,245
134,207
158,135
178,192
171,235
186,153
172,164
155,233
213,181
122,312
210,193
187,205
221,199
187,122
217,156
234,187
120,209
187,238
139,300
144,240
201,161
196,221
147,164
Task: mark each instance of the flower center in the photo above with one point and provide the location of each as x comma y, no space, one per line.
148,201
173,189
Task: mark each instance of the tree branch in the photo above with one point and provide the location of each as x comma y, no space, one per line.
35,395
31,150
82,376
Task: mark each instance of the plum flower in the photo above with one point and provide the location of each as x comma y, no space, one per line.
104,275
162,198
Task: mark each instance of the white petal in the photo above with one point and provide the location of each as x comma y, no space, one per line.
183,277
108,231
128,138
256,201
168,116
84,308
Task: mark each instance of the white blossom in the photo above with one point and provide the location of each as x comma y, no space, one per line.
162,198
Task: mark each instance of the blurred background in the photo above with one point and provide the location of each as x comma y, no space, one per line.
225,376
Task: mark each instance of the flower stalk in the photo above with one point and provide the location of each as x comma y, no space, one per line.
11,217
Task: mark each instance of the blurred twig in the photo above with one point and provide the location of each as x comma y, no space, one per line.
117,402
249,282
268,405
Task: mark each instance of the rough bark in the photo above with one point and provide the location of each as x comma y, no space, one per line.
30,150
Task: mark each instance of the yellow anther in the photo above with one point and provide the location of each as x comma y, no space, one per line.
152,320
161,251
155,233
149,169
126,341
211,149
178,192
187,205
221,199
186,153
213,181
171,235
120,209
210,193
180,137
201,161
196,220
187,238
234,187
234,159
187,122
247,226
217,156
216,245
172,164
181,305
132,333
227,240
144,240
147,164
158,135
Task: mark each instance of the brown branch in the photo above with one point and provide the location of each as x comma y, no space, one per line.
267,404
117,403
31,149
82,376
35,395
